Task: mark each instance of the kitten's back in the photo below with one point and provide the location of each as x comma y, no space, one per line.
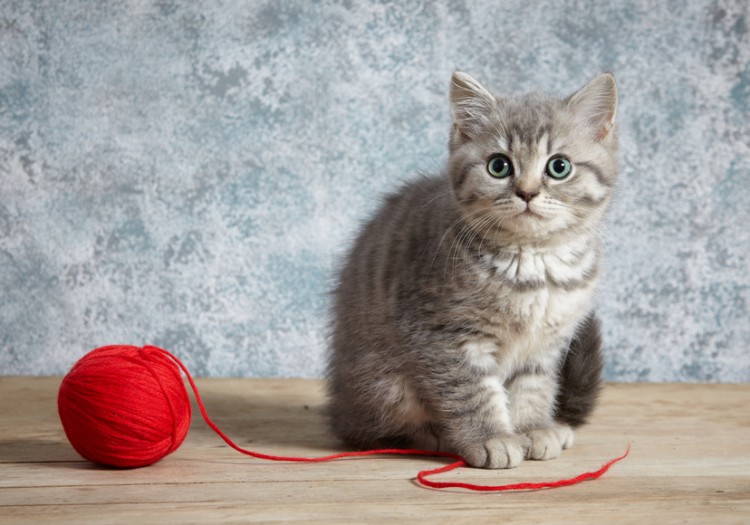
365,338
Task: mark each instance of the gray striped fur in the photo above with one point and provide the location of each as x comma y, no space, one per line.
459,301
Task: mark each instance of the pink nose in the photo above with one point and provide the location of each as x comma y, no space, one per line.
526,195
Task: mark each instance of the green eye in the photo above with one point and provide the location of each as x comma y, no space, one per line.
558,168
499,166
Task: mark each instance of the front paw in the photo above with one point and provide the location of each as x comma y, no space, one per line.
498,452
549,442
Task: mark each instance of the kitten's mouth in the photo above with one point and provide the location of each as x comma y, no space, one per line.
528,212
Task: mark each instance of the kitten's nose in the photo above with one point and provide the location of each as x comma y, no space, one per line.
526,195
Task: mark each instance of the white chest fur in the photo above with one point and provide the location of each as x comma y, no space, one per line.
541,294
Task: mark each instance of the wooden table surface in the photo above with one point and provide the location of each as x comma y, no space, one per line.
690,463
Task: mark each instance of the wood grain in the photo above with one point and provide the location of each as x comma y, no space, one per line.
690,463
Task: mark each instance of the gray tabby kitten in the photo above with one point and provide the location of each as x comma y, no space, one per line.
462,319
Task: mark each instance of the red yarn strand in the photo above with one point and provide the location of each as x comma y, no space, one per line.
422,476
586,476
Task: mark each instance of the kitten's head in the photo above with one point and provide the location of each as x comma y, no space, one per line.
533,168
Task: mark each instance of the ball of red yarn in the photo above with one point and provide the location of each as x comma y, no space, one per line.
124,406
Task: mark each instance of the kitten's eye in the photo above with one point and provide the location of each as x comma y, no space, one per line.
499,166
558,168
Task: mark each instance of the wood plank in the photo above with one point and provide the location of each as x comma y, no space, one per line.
690,463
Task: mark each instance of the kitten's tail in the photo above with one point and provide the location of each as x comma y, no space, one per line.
581,375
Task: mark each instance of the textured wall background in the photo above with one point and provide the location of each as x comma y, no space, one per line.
187,174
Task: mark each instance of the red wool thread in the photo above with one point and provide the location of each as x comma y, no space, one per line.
126,406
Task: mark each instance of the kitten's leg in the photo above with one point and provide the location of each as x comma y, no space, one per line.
532,393
473,415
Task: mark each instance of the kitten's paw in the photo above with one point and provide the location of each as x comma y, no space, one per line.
566,435
498,452
549,442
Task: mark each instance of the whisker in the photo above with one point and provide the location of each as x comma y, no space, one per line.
458,221
463,240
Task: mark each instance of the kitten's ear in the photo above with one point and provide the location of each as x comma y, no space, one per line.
596,104
471,105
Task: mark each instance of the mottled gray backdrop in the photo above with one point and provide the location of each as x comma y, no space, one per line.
187,174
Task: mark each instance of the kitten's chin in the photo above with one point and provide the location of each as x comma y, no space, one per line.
530,214
533,225
530,218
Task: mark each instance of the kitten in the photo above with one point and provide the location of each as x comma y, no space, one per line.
462,319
